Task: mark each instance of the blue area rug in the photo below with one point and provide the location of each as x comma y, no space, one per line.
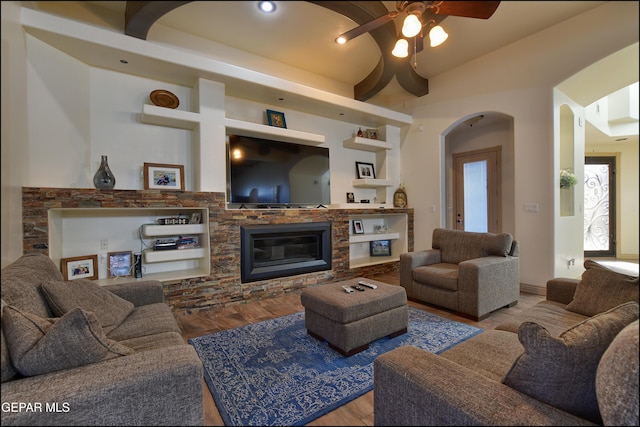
273,373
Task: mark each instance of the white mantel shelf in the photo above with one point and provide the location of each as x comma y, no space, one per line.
366,144
163,116
263,131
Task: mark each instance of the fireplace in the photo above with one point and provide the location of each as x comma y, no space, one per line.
277,250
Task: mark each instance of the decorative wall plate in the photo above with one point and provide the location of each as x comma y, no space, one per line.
164,98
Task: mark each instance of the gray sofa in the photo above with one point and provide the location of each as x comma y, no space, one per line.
470,273
570,360
75,353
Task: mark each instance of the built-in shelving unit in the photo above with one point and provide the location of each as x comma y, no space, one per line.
395,230
86,231
98,47
151,256
379,147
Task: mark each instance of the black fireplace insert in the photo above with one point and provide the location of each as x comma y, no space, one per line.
276,250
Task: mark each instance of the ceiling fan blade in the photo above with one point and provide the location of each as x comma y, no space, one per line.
467,9
371,25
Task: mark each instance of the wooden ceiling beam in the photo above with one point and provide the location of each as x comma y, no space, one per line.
141,15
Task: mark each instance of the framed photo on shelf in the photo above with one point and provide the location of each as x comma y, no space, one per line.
380,248
159,176
358,228
365,170
119,264
195,218
80,267
372,133
276,118
351,198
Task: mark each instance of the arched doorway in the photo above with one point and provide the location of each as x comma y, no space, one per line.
476,138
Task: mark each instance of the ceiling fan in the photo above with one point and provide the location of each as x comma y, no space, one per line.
421,14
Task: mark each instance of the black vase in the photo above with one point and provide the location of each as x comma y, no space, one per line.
104,179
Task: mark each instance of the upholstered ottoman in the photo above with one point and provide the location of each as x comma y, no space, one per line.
349,322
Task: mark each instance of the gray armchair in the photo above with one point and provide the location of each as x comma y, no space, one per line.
470,273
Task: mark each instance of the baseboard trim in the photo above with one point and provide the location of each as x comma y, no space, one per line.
533,289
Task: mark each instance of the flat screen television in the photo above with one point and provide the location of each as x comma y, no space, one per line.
264,172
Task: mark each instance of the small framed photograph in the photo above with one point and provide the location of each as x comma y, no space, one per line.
365,170
119,263
195,218
351,198
380,229
372,133
276,118
80,267
380,248
163,177
358,228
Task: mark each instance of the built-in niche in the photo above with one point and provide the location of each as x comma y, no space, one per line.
567,161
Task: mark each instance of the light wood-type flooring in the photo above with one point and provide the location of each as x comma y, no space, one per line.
358,412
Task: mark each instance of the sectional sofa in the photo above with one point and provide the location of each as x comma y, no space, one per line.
76,353
572,359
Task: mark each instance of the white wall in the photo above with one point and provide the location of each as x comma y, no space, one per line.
14,145
516,81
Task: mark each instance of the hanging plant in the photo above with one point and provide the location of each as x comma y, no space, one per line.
567,179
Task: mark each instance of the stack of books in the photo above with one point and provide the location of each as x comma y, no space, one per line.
185,242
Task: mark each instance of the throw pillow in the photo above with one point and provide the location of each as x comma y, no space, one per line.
38,346
602,289
8,370
617,379
109,308
561,370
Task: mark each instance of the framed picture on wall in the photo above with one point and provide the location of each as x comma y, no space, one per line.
119,263
80,267
159,176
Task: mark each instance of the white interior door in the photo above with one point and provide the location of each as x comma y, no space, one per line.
477,190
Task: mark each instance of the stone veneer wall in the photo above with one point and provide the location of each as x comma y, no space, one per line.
222,287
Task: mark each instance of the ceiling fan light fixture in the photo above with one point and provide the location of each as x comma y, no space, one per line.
401,49
437,36
411,26
266,6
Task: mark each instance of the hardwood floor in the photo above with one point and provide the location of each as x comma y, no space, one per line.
358,412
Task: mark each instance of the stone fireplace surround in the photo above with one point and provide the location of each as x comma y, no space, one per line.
223,286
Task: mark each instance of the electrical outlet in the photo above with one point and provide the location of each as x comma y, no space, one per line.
104,244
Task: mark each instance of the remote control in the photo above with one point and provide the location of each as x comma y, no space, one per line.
358,288
347,289
367,284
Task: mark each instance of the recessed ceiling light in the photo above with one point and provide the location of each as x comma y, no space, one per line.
267,6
